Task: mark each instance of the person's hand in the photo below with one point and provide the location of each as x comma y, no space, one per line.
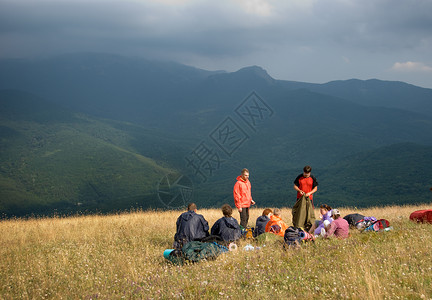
308,194
301,192
252,202
239,209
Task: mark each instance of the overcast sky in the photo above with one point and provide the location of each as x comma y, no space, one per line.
301,40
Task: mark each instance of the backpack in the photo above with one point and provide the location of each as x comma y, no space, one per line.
196,251
295,235
353,219
421,216
378,225
248,233
176,257
365,222
275,229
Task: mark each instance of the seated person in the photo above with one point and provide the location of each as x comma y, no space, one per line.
190,227
339,227
276,225
262,221
325,227
325,212
227,227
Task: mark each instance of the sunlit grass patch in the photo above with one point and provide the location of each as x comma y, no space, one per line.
120,256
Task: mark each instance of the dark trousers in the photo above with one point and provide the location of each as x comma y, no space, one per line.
244,217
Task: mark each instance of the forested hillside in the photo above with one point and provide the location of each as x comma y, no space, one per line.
103,133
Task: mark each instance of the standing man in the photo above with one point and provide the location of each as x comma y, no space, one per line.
303,211
243,197
306,184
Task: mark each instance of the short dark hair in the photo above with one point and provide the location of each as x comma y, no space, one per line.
245,170
192,206
267,211
227,210
307,169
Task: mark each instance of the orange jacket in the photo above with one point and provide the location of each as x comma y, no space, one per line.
242,193
276,220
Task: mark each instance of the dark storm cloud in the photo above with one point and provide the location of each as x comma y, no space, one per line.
352,38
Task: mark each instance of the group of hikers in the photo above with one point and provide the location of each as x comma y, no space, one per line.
192,226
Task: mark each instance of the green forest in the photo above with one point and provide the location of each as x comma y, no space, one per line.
163,148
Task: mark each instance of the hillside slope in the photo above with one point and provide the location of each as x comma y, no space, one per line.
388,175
111,127
55,159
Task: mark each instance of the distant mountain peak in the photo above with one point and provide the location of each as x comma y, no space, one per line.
256,71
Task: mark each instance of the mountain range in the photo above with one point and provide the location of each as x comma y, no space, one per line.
99,132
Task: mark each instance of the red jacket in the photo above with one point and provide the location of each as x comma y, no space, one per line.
242,193
276,220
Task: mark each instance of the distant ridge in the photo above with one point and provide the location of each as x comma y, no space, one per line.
103,130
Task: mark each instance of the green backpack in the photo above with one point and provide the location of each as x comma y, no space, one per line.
197,251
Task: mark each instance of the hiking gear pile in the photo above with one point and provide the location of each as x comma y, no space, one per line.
196,251
296,236
422,216
353,219
365,223
379,225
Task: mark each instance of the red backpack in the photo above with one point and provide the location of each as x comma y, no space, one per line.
422,216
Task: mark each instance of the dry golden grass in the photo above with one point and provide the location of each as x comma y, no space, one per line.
120,256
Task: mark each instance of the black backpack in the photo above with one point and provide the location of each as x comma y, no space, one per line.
353,219
294,235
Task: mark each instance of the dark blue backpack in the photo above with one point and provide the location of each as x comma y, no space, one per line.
294,235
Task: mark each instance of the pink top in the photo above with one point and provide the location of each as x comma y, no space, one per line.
339,228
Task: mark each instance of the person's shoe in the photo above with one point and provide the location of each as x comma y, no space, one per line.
323,232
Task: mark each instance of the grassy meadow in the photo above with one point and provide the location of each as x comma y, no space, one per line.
120,256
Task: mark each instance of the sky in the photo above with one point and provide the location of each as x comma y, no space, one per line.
313,41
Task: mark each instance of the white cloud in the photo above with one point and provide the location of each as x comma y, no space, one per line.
410,66
257,7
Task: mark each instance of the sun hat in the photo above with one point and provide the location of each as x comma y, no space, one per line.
335,211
